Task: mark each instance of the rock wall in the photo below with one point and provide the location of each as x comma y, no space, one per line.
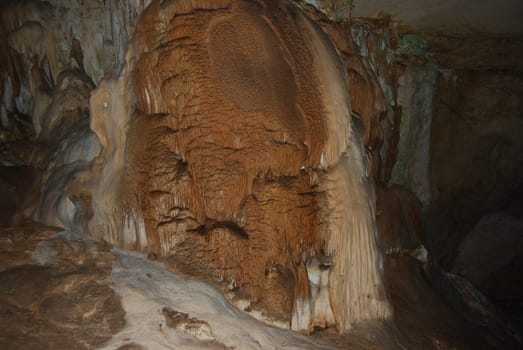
477,113
53,55
443,125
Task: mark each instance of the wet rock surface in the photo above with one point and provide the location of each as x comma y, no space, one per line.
51,295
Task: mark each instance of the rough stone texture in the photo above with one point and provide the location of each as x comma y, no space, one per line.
476,148
65,130
490,256
42,33
246,171
430,304
146,288
306,126
447,16
364,86
416,95
190,325
50,296
394,71
449,129
52,54
20,191
398,213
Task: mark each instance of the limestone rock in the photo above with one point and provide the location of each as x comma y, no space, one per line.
50,296
20,189
491,253
245,162
425,296
190,325
476,148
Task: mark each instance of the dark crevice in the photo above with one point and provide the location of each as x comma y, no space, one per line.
211,225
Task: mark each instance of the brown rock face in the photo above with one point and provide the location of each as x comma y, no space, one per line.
245,166
50,296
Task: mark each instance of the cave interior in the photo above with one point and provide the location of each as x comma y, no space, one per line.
261,174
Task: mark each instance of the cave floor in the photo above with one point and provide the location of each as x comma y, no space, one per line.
63,290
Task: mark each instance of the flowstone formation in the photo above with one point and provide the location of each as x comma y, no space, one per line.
244,164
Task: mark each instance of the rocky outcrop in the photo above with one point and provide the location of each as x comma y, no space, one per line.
446,130
478,115
20,188
417,284
490,256
245,167
50,294
52,56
